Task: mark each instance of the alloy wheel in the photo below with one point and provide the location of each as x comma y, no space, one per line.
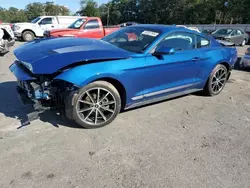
28,37
96,106
219,80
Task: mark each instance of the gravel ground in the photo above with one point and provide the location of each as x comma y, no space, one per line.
189,142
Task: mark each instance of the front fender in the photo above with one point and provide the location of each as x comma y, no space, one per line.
36,29
84,74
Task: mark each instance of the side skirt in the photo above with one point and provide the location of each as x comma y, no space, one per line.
149,101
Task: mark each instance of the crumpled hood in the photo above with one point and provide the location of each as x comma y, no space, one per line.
47,56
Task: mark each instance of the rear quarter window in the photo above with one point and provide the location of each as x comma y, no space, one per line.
202,42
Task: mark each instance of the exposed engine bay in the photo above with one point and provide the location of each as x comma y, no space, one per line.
45,93
6,39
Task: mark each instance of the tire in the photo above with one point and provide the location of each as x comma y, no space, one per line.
28,36
98,111
213,83
243,42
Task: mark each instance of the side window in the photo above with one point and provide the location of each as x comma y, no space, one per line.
46,21
234,33
202,42
239,32
92,24
54,21
179,41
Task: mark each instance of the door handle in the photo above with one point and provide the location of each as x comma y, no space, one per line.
196,58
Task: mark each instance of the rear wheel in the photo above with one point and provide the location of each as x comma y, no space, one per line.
28,36
96,105
243,42
216,81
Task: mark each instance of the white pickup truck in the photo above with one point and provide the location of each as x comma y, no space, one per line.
36,28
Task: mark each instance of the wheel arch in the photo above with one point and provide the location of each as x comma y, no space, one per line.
118,85
29,30
225,64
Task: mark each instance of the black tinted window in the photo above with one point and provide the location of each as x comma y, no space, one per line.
46,21
179,41
202,42
133,39
92,24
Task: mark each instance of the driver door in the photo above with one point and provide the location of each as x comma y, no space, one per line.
173,72
47,23
91,29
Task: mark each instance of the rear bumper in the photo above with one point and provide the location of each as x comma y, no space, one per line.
245,61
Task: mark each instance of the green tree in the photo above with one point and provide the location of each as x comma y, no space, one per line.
89,8
34,10
4,15
16,15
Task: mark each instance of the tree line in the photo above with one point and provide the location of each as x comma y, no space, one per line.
169,11
143,11
32,10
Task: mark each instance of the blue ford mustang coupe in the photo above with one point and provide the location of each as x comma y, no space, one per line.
91,81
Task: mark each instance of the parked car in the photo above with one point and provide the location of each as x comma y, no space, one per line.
248,32
93,80
207,31
36,28
89,27
236,36
245,60
126,24
6,38
191,28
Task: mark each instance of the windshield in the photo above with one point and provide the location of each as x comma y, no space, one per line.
223,31
35,20
133,39
77,24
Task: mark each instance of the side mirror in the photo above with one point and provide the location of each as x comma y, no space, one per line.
162,50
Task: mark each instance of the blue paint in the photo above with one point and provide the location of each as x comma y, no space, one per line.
140,74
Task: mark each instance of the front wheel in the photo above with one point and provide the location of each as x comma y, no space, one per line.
28,36
216,81
96,105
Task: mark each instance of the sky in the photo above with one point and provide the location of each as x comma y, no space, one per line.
73,5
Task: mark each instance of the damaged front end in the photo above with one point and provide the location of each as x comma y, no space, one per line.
6,39
43,92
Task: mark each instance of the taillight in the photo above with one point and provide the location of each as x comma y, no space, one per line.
247,51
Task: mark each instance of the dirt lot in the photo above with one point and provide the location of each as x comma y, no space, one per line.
189,142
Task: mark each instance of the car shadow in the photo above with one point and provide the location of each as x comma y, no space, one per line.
12,107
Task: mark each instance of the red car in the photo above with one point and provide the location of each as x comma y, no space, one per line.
87,27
